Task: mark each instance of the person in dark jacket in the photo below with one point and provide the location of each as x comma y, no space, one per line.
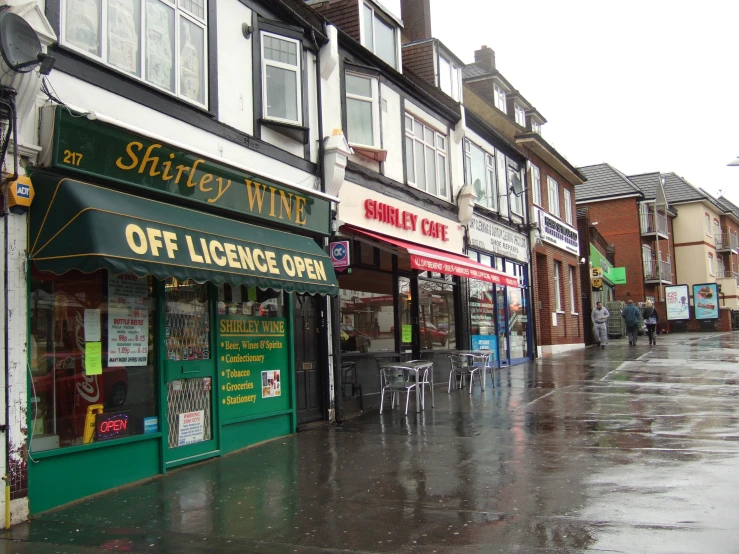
632,318
651,320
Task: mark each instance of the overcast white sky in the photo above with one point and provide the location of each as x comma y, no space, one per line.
646,85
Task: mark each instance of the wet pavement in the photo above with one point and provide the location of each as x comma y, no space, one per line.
631,449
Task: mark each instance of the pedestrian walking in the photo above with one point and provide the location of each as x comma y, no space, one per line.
600,317
651,319
632,318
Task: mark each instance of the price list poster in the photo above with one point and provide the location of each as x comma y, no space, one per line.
128,320
252,361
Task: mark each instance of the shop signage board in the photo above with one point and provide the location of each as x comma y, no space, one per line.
497,239
102,150
556,232
128,320
252,362
111,425
486,342
677,302
340,254
705,301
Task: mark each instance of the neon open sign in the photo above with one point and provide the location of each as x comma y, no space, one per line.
109,426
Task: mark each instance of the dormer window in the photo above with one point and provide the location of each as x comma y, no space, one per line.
535,127
520,114
500,97
378,36
449,77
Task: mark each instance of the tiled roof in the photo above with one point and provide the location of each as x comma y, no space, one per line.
648,183
679,190
604,181
473,70
730,206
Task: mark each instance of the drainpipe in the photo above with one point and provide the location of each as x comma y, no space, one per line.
331,305
9,103
532,245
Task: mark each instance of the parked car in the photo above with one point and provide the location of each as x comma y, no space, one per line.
355,340
430,331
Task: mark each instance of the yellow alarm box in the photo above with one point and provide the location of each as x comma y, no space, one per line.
92,411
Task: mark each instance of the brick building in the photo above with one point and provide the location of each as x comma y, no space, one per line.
637,221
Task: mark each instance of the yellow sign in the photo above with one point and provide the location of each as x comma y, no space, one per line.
597,283
596,272
20,192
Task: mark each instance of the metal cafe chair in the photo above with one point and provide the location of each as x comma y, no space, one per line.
487,364
461,367
396,380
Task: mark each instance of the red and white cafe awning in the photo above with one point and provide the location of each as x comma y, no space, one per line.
430,259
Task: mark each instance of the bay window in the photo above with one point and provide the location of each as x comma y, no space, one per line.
553,187
362,113
158,42
480,173
281,82
425,158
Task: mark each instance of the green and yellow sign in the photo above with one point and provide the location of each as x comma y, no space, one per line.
253,366
612,275
94,148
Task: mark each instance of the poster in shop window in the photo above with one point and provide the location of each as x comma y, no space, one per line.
705,299
128,320
677,302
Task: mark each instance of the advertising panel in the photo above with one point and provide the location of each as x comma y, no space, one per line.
705,299
556,232
676,300
490,236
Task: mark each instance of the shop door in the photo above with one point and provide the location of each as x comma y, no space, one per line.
308,367
501,310
189,372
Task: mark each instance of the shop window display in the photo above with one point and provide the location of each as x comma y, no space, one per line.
92,358
436,315
367,312
252,301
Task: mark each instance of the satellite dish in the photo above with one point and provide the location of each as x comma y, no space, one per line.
19,44
516,184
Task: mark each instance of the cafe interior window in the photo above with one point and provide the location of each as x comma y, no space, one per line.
436,314
251,301
482,311
367,307
92,358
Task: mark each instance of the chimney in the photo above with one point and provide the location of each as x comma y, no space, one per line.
416,16
485,57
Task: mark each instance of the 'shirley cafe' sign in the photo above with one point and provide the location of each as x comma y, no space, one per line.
556,232
499,240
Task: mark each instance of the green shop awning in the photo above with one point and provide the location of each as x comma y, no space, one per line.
76,225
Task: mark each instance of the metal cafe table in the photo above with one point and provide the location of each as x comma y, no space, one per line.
481,357
419,367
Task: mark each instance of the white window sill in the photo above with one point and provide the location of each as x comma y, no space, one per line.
574,313
376,154
559,312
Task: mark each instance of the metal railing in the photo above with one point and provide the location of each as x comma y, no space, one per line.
726,241
653,223
729,274
654,271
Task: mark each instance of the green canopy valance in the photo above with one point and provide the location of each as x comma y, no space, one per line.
77,225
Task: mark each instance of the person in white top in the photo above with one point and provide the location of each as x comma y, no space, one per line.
600,317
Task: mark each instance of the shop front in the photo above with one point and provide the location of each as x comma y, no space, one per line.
402,293
500,312
164,290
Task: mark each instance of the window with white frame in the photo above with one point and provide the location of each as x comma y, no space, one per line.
158,42
426,157
708,224
499,97
520,114
567,205
720,265
536,184
716,229
710,264
501,173
514,182
553,187
449,77
362,113
557,290
535,127
378,35
281,83
480,173
573,300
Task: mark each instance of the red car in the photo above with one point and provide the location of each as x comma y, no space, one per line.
430,331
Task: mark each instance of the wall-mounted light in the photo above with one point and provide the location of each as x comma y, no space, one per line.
246,30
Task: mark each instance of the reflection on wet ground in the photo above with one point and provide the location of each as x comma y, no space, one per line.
622,450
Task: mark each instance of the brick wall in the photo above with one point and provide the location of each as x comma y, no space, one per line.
419,59
344,14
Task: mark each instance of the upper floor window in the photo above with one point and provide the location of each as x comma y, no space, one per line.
514,178
535,127
716,229
520,114
557,285
158,42
449,77
425,158
362,111
553,187
536,184
480,173
499,97
281,78
568,206
378,35
708,224
710,264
